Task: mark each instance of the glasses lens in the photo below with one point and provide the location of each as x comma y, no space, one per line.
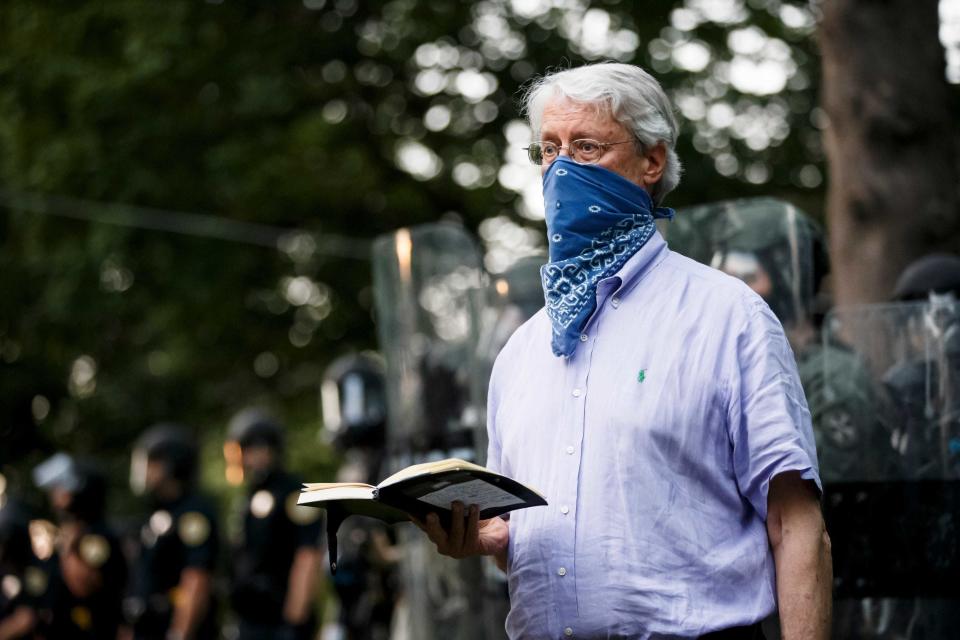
549,152
587,151
535,153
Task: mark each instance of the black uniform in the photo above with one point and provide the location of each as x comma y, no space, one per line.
26,588
274,528
176,536
100,614
24,579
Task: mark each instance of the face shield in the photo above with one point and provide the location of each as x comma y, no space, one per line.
744,266
769,244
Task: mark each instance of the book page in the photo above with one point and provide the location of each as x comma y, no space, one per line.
337,492
316,486
426,468
478,492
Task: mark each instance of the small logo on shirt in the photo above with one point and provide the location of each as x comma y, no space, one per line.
642,375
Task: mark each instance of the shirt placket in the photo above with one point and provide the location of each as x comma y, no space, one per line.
577,386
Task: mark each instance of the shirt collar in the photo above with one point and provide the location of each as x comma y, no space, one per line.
633,271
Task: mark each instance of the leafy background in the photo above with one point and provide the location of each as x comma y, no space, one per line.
277,139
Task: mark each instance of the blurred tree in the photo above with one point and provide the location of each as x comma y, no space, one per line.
892,143
330,118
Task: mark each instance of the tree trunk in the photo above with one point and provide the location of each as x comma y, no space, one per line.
891,143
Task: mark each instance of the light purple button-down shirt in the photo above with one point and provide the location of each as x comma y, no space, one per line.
654,444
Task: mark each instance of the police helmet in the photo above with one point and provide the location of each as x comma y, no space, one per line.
80,478
254,426
353,400
170,444
935,273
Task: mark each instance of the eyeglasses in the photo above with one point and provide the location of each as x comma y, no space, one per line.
584,151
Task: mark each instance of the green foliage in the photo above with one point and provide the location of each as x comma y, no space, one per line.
289,114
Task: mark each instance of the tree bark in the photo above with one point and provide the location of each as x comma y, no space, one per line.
891,143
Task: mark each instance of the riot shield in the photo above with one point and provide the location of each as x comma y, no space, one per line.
769,244
509,299
892,375
426,290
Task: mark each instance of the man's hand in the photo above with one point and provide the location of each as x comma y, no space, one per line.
801,552
468,535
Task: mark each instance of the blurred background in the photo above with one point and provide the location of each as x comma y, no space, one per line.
190,191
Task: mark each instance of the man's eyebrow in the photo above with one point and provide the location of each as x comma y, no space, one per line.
546,134
575,134
579,134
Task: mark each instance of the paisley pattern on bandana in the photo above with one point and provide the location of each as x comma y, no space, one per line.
596,221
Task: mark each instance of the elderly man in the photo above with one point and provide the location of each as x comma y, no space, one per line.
654,401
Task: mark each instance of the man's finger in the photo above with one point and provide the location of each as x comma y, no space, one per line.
436,533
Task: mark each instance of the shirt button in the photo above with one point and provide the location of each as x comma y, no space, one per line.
583,337
564,509
568,632
562,571
569,451
577,393
615,302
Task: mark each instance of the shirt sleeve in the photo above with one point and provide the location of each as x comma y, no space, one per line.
493,439
309,524
768,418
198,531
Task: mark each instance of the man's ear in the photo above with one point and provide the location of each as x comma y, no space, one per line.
656,157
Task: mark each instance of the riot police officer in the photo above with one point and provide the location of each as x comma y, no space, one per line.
87,580
22,581
171,597
923,387
780,253
895,553
277,558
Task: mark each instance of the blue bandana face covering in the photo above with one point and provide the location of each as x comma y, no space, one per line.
596,220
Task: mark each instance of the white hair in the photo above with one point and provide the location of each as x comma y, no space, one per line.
634,98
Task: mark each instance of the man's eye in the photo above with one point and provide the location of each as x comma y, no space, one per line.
549,149
589,147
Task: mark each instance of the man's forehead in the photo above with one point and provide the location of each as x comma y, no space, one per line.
562,111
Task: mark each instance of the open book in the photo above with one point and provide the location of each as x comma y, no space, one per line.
416,491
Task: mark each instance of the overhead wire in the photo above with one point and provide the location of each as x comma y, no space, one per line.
184,223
